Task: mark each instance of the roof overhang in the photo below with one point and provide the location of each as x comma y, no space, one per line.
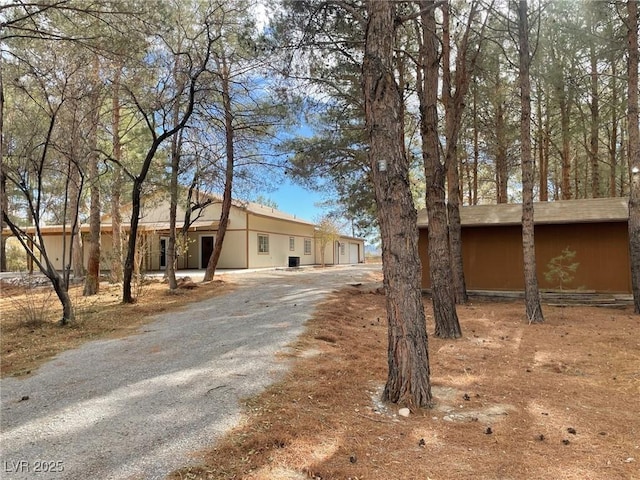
592,210
106,228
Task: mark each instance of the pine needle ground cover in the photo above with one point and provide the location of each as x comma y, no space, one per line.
558,400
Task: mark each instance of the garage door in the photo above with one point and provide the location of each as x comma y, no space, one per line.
353,253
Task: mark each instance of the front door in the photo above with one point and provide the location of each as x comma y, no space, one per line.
206,249
163,252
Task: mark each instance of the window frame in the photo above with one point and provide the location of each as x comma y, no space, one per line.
262,244
307,242
292,244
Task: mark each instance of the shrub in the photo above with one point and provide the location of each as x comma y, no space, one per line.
561,269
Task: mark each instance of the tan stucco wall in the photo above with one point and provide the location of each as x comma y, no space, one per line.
234,251
279,232
240,249
53,246
351,253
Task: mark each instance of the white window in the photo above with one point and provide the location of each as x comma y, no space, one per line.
263,243
342,249
292,244
307,246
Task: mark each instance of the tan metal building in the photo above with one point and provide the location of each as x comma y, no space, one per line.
596,229
256,237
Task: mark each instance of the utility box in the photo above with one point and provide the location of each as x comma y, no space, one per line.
294,261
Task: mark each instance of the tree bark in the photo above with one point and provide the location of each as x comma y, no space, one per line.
92,279
139,180
407,357
594,143
634,152
176,151
543,147
565,116
444,309
76,187
499,112
4,200
116,273
228,181
172,258
453,118
531,292
454,104
613,137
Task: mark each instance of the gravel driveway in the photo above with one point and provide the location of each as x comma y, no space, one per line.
138,407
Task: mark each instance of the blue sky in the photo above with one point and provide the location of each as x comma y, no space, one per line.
297,201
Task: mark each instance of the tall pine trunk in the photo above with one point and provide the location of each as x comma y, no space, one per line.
594,143
634,152
444,309
531,292
4,201
454,104
613,137
407,355
92,280
176,152
228,182
116,273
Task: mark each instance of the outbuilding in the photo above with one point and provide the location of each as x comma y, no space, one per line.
595,229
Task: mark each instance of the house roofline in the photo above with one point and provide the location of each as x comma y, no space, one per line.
591,210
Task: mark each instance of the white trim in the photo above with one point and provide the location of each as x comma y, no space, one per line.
266,235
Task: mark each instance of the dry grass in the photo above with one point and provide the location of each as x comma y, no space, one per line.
560,399
513,401
31,334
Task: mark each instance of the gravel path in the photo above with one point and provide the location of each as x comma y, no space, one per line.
138,407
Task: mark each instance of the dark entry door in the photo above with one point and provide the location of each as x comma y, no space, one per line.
206,249
163,252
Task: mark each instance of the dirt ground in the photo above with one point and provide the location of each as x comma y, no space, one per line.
512,401
30,334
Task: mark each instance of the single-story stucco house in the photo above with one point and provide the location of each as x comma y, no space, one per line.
256,237
596,229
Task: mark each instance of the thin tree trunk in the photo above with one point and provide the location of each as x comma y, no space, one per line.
444,309
613,138
4,200
531,292
75,193
176,152
92,280
173,209
139,180
623,150
595,116
407,357
4,205
502,168
228,182
62,292
565,115
454,104
476,146
634,152
116,273
543,148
